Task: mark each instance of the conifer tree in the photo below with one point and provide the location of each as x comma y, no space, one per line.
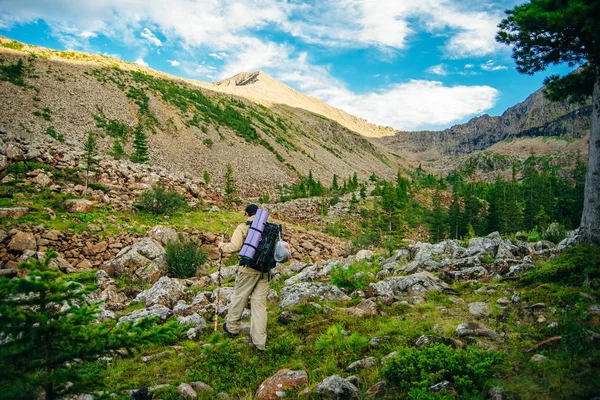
140,144
231,190
89,160
117,150
438,227
455,217
554,32
334,185
46,323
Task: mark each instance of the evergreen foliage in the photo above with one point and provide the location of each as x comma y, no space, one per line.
89,158
231,189
46,323
161,201
140,144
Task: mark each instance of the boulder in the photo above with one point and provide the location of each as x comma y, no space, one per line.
363,255
479,309
336,387
79,206
22,241
201,387
162,234
165,292
187,392
366,307
419,283
13,212
159,311
193,319
295,294
275,387
92,249
475,329
361,364
467,273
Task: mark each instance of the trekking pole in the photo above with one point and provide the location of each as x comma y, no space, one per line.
219,281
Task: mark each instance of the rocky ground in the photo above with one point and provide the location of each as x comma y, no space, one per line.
405,279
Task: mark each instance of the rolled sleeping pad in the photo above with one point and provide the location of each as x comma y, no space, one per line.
254,234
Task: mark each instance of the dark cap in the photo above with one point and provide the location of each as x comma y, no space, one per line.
251,209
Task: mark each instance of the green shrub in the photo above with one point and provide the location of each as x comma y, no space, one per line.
467,370
533,236
160,201
184,258
208,143
356,276
574,266
554,233
336,342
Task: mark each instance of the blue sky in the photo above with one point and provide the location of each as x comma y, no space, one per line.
409,64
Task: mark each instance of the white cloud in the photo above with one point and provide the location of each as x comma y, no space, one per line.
150,37
218,56
203,69
469,66
439,69
490,65
140,61
174,63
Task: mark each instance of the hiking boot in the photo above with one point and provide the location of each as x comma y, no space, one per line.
227,331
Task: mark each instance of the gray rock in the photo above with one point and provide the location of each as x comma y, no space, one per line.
79,206
162,234
159,311
336,387
479,309
361,364
295,294
148,248
8,272
475,329
424,340
364,255
166,292
194,319
467,273
187,392
497,393
538,358
419,283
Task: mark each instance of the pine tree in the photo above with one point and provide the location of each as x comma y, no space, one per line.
389,204
89,160
231,190
117,151
455,217
206,177
334,185
438,227
554,32
140,144
47,323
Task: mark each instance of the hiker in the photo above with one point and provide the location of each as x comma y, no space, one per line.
251,283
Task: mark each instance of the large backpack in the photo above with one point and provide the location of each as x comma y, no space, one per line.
264,259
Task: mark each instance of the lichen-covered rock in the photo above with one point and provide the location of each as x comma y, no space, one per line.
479,309
366,307
79,206
475,329
275,387
158,310
22,241
166,292
193,319
467,273
361,364
336,387
295,294
13,212
144,260
419,283
187,392
162,234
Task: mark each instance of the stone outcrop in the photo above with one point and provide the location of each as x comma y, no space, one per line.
296,293
284,380
336,387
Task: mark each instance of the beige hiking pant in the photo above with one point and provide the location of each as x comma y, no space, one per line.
248,283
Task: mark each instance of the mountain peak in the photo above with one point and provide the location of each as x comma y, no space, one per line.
245,78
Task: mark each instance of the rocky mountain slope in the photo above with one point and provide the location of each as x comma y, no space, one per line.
269,92
534,117
190,129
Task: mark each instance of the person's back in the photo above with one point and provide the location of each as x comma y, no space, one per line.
249,283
